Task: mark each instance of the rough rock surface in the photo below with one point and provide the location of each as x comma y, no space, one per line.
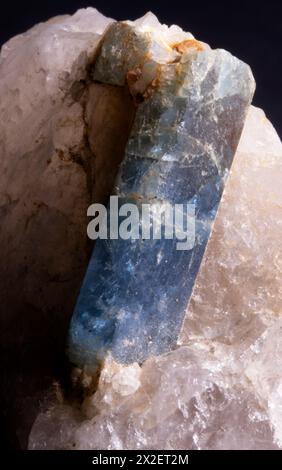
221,389
46,185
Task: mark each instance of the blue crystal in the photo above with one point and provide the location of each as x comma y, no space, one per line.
135,293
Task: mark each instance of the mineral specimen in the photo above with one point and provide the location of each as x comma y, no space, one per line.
62,135
193,106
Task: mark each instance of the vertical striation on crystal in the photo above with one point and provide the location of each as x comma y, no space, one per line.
192,104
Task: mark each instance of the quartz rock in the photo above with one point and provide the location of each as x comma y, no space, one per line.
43,175
221,388
46,185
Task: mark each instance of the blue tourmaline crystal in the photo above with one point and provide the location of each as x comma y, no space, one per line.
135,293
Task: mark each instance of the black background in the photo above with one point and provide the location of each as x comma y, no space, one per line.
250,30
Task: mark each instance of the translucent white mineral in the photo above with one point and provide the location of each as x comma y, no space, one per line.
46,174
45,168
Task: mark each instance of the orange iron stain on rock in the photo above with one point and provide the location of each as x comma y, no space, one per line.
181,47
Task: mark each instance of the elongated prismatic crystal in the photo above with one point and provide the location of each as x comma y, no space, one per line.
192,107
